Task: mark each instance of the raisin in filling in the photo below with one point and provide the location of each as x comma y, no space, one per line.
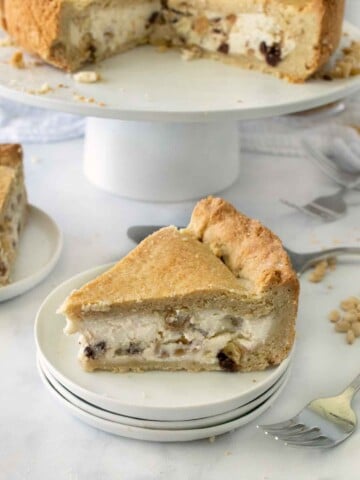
94,351
226,363
272,53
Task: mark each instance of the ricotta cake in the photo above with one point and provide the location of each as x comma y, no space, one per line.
13,206
218,295
288,38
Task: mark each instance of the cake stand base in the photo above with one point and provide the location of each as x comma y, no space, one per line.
161,161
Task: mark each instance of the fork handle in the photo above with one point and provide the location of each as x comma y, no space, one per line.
355,384
352,389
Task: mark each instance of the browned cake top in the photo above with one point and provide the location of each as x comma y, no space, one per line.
11,155
165,265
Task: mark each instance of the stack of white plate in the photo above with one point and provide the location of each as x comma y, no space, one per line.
153,406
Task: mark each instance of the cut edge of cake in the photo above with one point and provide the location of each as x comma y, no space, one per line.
219,295
13,207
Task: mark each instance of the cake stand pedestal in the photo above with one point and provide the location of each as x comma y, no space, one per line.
161,129
161,161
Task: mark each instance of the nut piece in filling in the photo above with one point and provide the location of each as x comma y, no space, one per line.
193,299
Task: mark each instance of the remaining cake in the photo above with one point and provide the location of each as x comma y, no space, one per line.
13,206
219,295
289,38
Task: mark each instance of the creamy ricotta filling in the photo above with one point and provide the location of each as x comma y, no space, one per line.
245,34
196,336
107,30
11,227
111,27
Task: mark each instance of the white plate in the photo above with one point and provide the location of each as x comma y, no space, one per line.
39,250
150,395
153,435
161,425
143,84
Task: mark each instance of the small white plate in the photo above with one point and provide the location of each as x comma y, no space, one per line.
150,395
153,435
39,250
161,425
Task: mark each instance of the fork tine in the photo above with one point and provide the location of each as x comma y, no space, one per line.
307,434
321,441
292,422
300,209
288,431
323,210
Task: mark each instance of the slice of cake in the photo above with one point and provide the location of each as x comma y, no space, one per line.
13,206
289,38
219,295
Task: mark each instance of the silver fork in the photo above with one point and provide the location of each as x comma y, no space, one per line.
349,180
329,208
300,261
323,423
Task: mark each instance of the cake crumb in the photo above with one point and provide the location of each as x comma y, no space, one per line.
228,453
350,337
212,439
17,60
320,269
43,90
347,318
87,77
35,160
334,316
6,42
191,53
162,48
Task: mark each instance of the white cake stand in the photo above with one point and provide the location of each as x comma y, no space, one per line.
162,129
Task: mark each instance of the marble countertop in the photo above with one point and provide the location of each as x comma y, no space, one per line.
40,440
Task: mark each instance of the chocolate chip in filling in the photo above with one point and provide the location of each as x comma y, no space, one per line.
272,53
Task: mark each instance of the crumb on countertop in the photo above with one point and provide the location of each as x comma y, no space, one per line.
87,77
346,319
321,268
43,90
212,439
190,53
6,42
17,60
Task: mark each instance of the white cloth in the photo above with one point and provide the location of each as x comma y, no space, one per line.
333,133
24,124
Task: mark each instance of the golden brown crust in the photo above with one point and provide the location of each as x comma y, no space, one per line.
11,155
250,250
332,14
33,24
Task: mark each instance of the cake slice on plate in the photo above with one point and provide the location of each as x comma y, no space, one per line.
13,206
288,38
219,295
